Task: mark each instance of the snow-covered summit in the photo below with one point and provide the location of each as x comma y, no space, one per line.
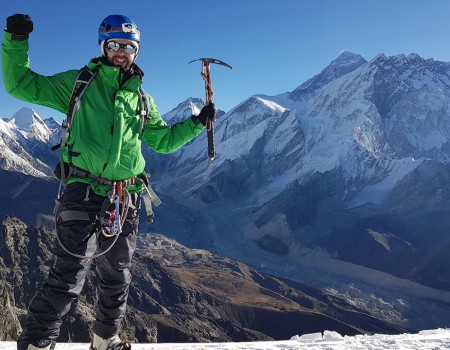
184,110
31,125
26,141
191,106
345,63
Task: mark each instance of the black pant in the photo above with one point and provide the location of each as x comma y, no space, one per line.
67,275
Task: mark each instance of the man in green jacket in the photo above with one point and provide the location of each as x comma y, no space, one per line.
99,209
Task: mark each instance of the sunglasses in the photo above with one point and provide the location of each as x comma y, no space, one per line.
115,46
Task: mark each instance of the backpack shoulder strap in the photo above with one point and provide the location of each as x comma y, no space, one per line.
145,108
85,77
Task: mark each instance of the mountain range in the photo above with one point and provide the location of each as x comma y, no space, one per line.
341,184
177,295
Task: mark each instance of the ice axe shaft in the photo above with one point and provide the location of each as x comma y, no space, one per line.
206,75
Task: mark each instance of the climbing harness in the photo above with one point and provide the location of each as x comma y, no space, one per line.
108,223
115,207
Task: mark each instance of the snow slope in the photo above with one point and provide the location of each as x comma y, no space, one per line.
429,339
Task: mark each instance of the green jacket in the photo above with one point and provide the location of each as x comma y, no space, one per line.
105,139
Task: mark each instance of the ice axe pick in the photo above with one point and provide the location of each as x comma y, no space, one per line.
206,75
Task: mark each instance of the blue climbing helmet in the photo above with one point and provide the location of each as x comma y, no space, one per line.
118,27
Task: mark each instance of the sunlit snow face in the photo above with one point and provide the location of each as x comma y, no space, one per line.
121,58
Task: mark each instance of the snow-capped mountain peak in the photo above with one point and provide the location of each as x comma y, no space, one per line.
191,106
184,110
31,125
26,141
345,63
24,118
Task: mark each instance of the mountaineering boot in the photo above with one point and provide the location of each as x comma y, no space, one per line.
113,343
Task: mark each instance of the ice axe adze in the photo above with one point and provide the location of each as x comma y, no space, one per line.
206,75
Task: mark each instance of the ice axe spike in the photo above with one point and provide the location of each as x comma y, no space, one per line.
206,75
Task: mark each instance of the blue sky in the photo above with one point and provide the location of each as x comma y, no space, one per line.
273,45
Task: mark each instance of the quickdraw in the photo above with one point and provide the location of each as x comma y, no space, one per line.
111,221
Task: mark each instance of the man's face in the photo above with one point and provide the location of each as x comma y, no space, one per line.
120,58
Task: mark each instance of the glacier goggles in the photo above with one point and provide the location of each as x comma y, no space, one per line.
114,46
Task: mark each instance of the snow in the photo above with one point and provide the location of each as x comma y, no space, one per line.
6,128
23,118
283,100
378,192
184,110
12,155
428,339
272,105
30,124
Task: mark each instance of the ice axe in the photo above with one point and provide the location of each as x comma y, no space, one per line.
206,75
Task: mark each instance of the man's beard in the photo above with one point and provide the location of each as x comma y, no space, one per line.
123,62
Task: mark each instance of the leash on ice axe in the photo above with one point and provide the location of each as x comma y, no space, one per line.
206,75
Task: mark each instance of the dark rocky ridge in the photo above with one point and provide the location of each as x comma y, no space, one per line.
177,295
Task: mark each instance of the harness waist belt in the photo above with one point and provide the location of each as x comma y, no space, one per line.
150,197
77,172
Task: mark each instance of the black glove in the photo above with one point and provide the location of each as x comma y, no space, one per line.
207,111
19,24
